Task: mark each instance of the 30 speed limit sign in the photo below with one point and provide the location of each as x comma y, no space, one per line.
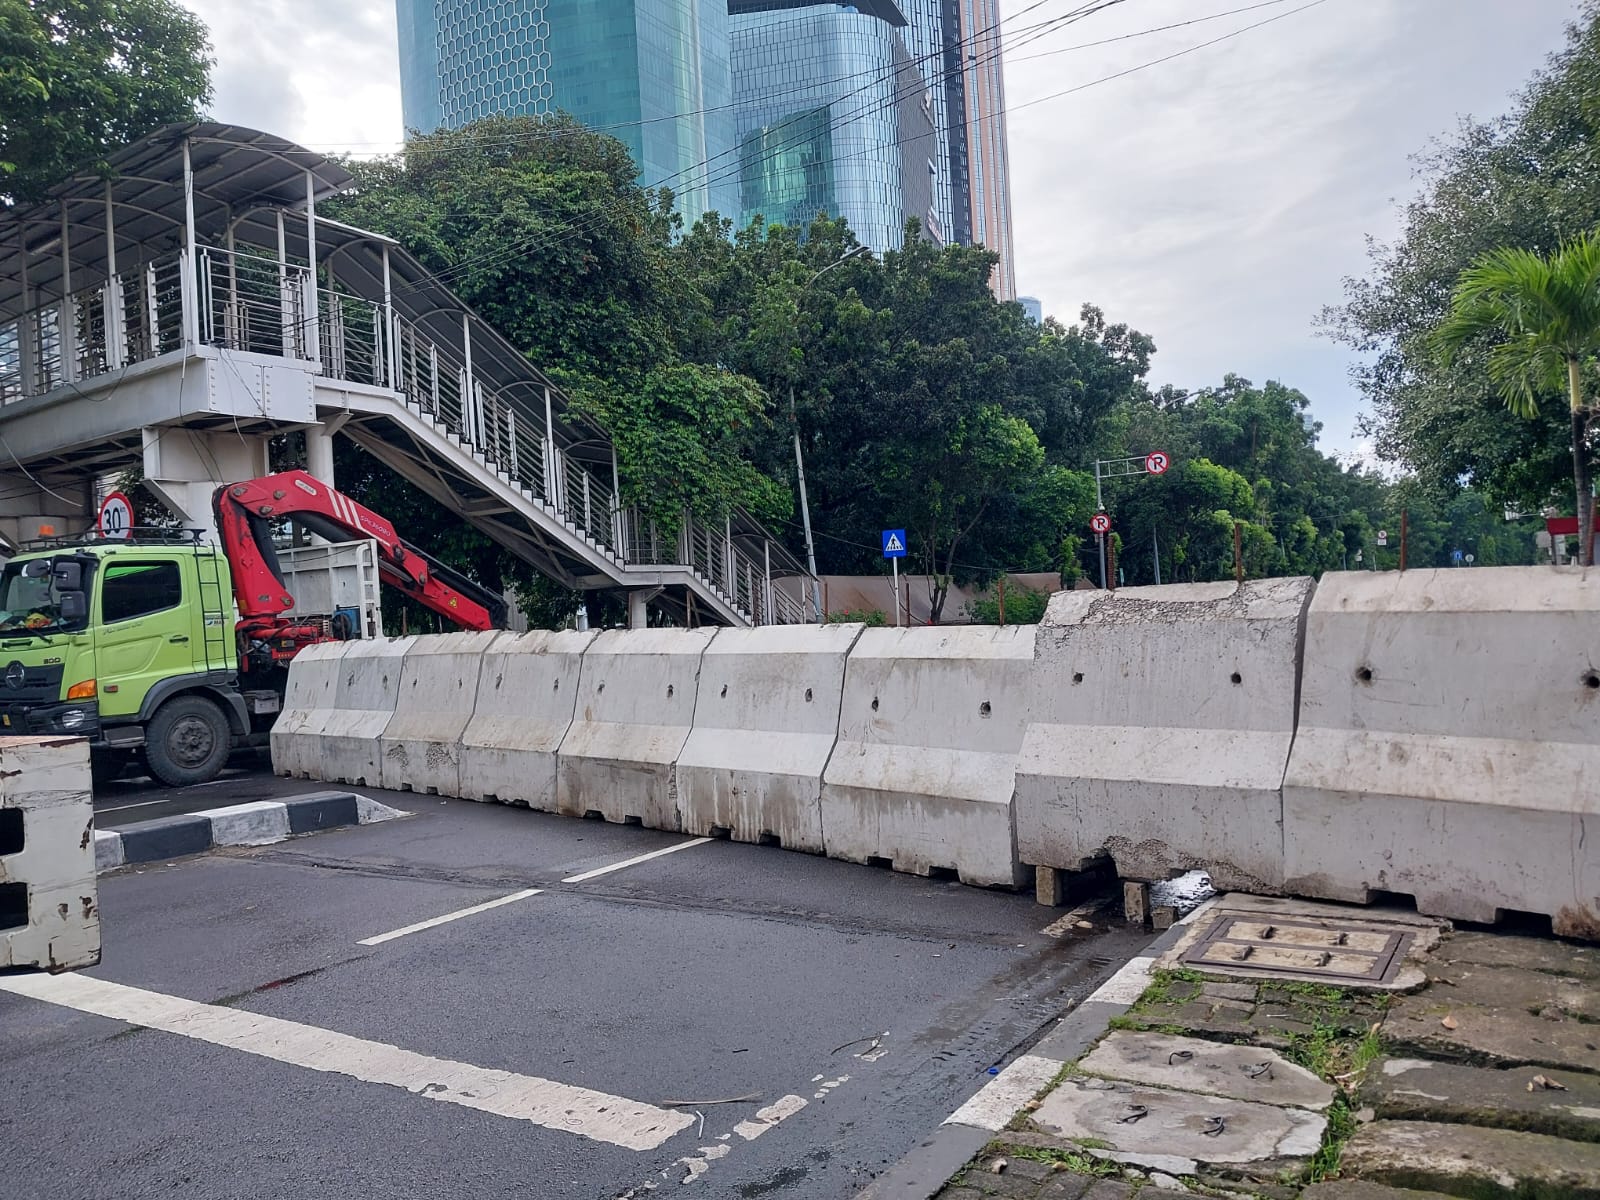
1157,462
116,516
1100,523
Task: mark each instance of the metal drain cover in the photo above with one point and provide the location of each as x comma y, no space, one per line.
1340,951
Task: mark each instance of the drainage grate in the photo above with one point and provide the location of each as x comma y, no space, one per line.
1349,952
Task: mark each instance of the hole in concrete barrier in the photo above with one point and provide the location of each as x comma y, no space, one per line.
983,709
722,833
1236,678
636,821
556,686
724,691
770,839
1591,680
1531,924
943,875
594,814
13,905
669,691
808,695
1077,677
600,687
874,861
874,704
11,839
1401,900
1364,674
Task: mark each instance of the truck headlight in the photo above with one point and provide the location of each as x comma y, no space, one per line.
72,718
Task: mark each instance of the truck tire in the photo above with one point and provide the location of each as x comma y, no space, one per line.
187,741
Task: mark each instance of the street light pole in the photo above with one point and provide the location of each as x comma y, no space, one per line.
799,459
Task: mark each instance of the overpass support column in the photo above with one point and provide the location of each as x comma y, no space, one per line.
184,467
29,511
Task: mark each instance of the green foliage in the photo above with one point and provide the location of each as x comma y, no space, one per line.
1341,1128
873,618
1023,606
79,79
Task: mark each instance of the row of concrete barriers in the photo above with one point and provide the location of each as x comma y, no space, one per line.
1429,733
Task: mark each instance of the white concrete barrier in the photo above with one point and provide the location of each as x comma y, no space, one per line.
1162,725
367,690
308,702
1449,744
421,745
929,730
636,696
49,901
526,697
765,722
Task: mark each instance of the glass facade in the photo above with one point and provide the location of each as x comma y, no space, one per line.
831,117
652,73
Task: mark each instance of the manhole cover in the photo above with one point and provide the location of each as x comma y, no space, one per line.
1334,950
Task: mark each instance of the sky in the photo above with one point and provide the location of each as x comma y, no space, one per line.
1215,201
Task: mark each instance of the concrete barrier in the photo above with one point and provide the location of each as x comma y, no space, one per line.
526,697
364,700
929,730
636,696
1162,725
421,745
765,722
1449,744
308,702
49,902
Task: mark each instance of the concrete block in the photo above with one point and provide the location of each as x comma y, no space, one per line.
107,851
259,823
1449,742
49,901
1163,726
365,695
165,838
636,697
308,701
924,768
421,745
1210,1068
527,693
322,810
765,721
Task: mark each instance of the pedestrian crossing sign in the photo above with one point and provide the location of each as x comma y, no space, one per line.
894,543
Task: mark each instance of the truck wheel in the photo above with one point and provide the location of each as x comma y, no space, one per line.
187,741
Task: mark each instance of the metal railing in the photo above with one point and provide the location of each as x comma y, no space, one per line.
251,302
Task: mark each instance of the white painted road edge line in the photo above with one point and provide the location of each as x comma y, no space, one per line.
381,938
631,862
999,1099
1127,985
615,1120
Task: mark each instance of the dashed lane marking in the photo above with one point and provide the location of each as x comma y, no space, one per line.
614,1120
635,861
381,938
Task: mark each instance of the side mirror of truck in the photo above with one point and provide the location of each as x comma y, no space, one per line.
74,606
68,576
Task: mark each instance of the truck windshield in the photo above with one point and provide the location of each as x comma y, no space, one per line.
29,602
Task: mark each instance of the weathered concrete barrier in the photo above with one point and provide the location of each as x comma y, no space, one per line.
636,696
1449,744
364,700
765,722
1162,723
308,703
49,902
421,744
527,693
922,775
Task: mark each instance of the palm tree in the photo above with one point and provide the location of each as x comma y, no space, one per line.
1546,315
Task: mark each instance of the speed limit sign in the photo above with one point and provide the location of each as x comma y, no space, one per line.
1100,523
116,516
1157,462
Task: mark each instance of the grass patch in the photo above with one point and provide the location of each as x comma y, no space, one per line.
1160,989
1341,1128
1317,1051
1068,1160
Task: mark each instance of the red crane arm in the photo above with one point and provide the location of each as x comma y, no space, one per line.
246,511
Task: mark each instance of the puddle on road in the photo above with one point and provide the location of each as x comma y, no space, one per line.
1185,893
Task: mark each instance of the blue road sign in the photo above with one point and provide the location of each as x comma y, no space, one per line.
1456,556
894,543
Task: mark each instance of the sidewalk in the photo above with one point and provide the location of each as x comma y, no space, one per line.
1278,1049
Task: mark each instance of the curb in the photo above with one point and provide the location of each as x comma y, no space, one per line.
259,823
922,1173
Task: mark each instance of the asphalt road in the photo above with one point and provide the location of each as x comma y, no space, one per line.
140,798
534,1049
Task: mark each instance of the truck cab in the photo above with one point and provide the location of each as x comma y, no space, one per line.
129,644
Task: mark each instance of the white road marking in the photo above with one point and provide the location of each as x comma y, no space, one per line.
614,1120
126,807
633,862
828,1086
379,939
701,1163
780,1109
1127,985
999,1099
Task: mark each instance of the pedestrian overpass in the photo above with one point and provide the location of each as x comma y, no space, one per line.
176,312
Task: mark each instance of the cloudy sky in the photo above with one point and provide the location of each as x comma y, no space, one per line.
1214,201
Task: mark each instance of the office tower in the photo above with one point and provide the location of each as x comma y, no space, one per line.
1032,308
987,172
653,73
831,114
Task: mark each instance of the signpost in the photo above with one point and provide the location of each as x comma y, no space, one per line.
894,549
1100,523
1154,463
1383,537
116,516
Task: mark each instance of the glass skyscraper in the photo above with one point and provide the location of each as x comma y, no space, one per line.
653,73
831,115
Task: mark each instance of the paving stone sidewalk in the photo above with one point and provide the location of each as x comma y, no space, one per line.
1476,1075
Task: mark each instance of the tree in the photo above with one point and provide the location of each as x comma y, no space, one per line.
79,78
1543,315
